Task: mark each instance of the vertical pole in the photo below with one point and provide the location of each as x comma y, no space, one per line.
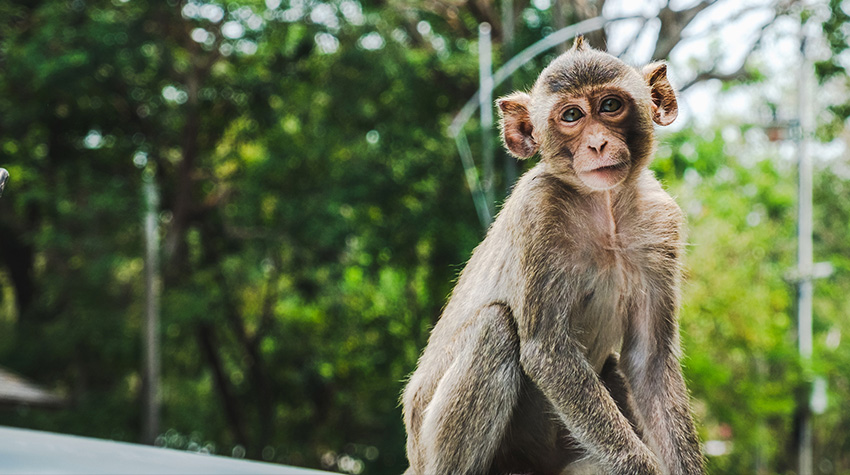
150,428
804,255
508,26
485,102
472,181
4,175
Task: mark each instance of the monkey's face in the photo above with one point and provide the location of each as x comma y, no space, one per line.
590,116
587,137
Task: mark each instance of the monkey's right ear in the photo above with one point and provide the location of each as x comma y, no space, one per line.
517,131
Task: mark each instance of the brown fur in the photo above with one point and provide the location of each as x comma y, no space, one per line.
521,373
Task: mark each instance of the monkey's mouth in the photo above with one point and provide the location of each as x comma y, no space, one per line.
605,176
609,168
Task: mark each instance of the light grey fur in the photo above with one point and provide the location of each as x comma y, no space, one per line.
522,373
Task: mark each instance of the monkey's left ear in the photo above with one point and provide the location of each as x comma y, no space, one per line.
664,105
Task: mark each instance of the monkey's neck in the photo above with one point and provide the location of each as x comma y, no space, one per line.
612,223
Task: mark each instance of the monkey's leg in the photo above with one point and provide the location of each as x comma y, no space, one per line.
472,406
651,364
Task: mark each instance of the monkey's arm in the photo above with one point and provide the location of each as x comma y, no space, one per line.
555,362
651,364
585,407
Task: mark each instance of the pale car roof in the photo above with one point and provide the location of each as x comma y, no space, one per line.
25,451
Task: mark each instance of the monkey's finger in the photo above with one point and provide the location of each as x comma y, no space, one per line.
4,175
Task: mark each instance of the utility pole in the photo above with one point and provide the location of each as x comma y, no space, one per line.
804,254
150,335
807,271
508,26
485,104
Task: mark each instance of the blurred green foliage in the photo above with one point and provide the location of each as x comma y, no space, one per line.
314,217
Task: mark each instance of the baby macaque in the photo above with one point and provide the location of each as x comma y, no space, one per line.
558,351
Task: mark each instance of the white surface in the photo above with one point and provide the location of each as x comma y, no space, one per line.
32,452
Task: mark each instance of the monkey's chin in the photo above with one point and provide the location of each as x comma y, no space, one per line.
605,178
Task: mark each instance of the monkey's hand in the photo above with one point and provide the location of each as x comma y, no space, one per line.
555,363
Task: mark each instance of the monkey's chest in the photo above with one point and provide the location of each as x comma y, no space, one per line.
601,321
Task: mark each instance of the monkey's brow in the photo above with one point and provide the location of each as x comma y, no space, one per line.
571,79
592,92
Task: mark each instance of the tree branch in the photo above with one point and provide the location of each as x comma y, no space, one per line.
206,341
483,11
673,23
739,74
633,41
256,367
267,312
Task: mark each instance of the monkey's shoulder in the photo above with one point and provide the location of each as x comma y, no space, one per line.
540,198
651,187
655,208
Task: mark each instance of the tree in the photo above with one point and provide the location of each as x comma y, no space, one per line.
314,216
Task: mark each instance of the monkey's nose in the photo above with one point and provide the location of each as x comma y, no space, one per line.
597,144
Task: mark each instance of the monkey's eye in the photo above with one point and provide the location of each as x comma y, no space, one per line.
572,114
610,105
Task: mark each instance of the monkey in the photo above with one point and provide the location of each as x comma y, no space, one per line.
558,350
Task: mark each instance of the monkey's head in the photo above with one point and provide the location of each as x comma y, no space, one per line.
590,116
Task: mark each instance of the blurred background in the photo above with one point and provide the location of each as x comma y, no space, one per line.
307,212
